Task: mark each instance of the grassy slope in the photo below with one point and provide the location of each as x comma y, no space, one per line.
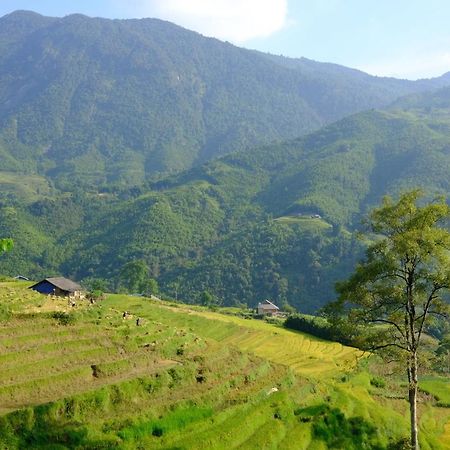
26,187
306,355
187,378
438,387
307,223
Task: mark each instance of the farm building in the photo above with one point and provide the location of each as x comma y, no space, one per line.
268,308
58,286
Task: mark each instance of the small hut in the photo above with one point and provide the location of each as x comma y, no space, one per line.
268,308
59,286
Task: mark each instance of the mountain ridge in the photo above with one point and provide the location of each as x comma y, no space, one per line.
95,102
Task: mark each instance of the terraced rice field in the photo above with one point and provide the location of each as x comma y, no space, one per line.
304,354
26,187
311,358
186,378
40,359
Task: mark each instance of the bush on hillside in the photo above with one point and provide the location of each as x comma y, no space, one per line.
96,295
331,426
64,318
321,329
378,382
273,320
4,278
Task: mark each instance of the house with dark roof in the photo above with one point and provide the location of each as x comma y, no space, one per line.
268,308
59,286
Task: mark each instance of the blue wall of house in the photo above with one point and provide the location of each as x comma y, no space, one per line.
44,287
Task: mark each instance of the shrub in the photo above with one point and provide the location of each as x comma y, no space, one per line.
258,316
337,431
96,295
402,444
378,382
320,328
64,318
6,278
273,320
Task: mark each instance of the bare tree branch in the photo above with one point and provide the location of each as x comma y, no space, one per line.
390,323
428,303
392,344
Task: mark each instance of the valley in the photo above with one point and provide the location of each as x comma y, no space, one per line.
187,183
240,211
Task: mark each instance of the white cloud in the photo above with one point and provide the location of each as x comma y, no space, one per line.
234,20
412,66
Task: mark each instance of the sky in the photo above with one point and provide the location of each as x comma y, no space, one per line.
400,38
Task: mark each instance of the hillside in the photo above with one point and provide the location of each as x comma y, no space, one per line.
93,102
187,378
240,227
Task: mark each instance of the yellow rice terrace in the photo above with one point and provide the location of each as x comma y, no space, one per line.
130,372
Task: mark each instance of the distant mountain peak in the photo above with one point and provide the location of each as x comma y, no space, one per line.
22,13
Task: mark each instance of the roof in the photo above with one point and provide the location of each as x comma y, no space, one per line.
62,283
266,304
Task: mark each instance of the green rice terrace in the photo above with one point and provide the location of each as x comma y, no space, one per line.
189,378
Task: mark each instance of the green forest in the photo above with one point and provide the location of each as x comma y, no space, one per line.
103,166
279,222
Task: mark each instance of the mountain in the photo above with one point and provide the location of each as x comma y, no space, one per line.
275,222
337,173
94,102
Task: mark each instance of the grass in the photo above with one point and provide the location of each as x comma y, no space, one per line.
306,222
438,387
27,187
188,378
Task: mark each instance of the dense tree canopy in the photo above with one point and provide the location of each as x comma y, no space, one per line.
277,221
93,102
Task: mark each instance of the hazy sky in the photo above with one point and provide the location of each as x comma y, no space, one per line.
402,38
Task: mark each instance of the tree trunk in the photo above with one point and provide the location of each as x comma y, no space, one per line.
413,382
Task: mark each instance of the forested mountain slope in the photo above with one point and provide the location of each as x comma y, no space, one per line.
274,222
93,102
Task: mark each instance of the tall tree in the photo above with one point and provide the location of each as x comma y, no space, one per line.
134,276
400,284
151,287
